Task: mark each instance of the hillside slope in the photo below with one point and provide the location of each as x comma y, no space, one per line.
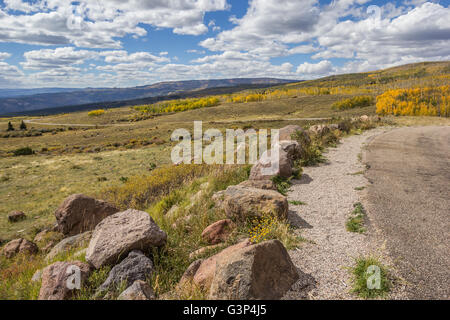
93,95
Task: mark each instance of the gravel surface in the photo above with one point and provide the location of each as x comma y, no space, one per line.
329,192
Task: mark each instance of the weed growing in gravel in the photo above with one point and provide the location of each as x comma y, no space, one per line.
359,188
355,222
297,203
370,278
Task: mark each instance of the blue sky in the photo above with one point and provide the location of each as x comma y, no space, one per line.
118,43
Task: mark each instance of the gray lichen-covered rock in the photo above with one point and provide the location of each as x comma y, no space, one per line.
19,246
134,267
139,290
117,235
79,213
241,203
68,244
262,271
61,279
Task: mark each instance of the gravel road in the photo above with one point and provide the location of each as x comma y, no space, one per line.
409,202
329,193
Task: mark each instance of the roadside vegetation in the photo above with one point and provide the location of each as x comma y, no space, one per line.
365,274
355,222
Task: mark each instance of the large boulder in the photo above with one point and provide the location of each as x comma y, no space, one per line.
218,231
68,244
134,267
289,132
19,246
262,271
80,213
117,235
320,129
292,148
16,216
139,290
258,184
59,280
201,274
241,203
269,166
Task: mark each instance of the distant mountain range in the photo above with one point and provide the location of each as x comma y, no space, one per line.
14,101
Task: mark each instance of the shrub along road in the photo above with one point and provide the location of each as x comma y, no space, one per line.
409,203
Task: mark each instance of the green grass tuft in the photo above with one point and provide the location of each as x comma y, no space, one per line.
355,222
361,274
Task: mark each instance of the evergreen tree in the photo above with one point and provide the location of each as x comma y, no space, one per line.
10,127
23,126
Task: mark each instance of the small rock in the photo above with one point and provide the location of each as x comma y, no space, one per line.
16,216
218,231
41,236
19,246
172,211
217,197
117,235
333,126
364,118
59,279
139,290
47,238
263,271
79,213
134,267
320,129
241,203
37,276
68,244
